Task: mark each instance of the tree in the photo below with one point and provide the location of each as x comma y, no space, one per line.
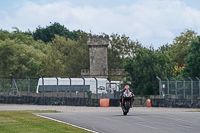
65,58
143,69
48,33
192,66
178,50
19,59
53,63
121,47
20,54
4,35
163,49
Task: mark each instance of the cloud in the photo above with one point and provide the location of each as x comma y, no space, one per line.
151,22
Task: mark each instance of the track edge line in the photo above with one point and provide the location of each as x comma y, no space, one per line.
66,123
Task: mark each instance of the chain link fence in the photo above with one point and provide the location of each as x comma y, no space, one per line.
187,88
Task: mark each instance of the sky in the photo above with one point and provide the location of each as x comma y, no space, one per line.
151,22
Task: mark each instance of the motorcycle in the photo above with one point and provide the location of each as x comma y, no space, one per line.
127,100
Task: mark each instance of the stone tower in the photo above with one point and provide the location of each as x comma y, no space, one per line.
98,56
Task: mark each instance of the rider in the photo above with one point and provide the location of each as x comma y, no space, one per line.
123,90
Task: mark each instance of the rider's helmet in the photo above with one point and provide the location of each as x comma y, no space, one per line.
127,87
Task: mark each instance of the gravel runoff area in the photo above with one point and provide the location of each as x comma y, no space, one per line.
65,109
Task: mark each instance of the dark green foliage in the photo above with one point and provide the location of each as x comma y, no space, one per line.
48,33
89,94
192,67
143,69
164,48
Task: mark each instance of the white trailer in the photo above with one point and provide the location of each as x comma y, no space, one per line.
102,83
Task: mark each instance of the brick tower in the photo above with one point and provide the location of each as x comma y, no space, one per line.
98,56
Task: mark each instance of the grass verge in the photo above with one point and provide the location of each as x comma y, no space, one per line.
26,122
194,111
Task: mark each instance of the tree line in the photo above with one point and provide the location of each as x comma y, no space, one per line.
55,51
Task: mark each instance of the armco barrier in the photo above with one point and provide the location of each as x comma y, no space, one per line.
76,101
8,99
109,103
114,102
176,103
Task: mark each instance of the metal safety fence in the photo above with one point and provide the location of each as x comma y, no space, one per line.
53,92
184,88
18,86
28,87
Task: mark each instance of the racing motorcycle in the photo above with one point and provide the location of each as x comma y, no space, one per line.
127,100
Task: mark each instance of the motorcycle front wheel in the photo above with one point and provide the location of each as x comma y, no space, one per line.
127,106
125,113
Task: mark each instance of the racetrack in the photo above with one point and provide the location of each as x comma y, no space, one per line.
64,109
134,122
110,119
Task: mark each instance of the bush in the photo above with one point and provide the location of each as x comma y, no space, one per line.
89,94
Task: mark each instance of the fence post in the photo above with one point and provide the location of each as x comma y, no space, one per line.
183,88
199,85
12,79
191,87
70,86
83,87
14,85
28,85
175,86
159,85
109,82
56,85
167,87
42,86
96,88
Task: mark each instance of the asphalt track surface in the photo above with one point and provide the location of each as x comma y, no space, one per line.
134,122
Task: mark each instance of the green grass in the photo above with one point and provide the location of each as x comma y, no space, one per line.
193,111
27,122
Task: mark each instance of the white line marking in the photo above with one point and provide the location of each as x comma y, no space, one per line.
66,123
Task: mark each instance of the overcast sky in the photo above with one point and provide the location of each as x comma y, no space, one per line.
151,22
